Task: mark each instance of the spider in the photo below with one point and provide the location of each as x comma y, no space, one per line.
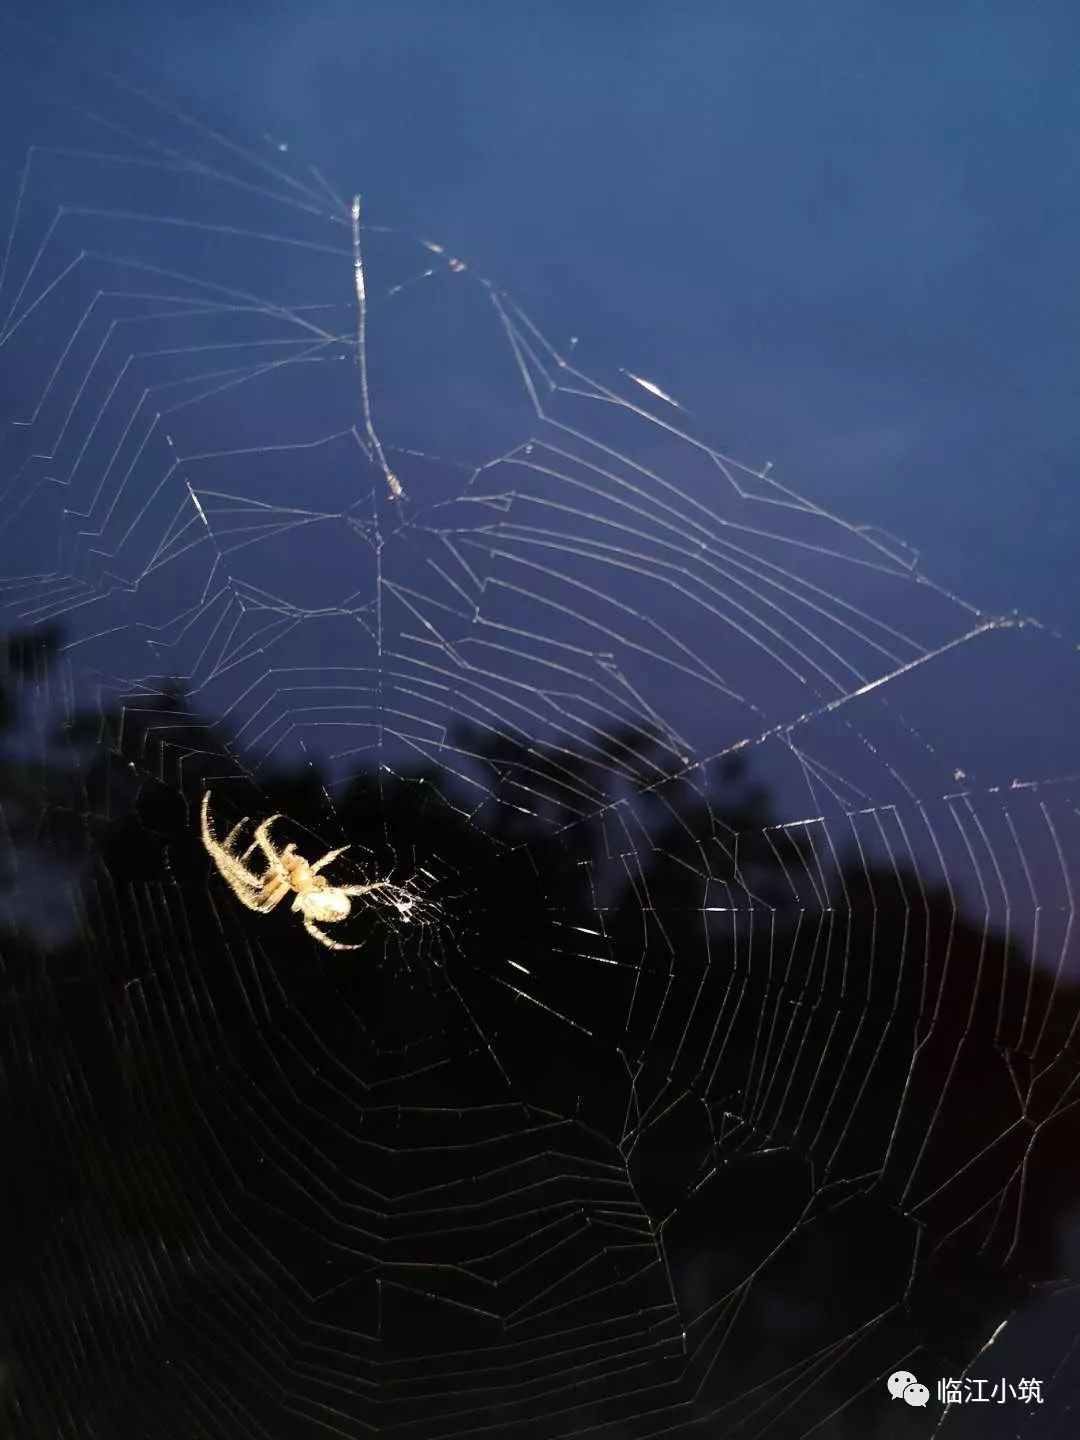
286,873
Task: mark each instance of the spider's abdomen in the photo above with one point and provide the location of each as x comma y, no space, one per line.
326,905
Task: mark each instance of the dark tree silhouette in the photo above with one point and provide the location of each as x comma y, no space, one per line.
816,1098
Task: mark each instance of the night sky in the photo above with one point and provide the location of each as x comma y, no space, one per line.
844,236
721,1058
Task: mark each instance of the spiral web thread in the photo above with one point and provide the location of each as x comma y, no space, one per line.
293,1215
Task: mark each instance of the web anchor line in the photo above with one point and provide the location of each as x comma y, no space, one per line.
393,483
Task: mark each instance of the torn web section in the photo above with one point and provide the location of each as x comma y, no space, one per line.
735,1041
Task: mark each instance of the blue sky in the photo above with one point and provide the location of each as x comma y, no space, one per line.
844,236
843,239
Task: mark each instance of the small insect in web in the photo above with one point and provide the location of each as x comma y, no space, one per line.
286,873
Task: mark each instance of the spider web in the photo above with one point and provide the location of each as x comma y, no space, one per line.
727,1060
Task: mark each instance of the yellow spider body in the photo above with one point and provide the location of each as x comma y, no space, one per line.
286,873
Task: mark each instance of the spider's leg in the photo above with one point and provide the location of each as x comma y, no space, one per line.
330,855
227,843
263,841
236,873
209,840
221,851
313,930
247,898
231,868
274,896
363,889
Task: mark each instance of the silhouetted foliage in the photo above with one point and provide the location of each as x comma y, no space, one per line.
816,1099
